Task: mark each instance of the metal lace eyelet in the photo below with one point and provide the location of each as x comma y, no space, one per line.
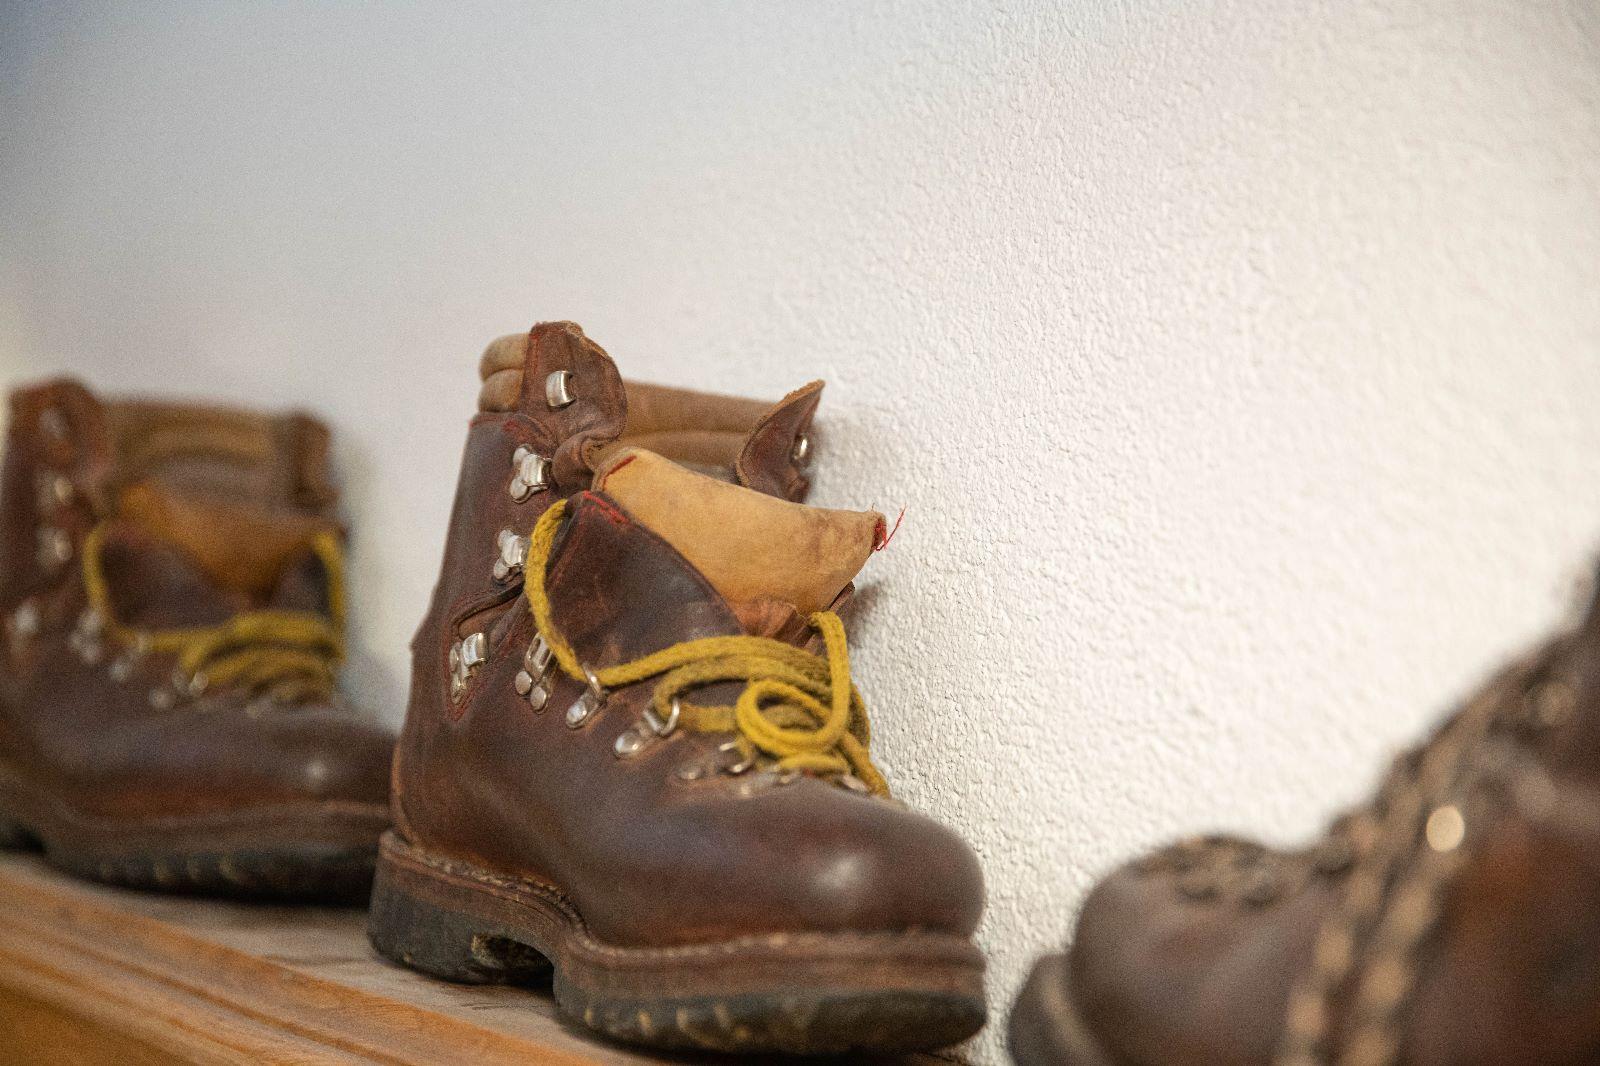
54,548
25,622
53,490
716,762
513,555
855,784
745,763
85,637
657,726
650,727
465,656
585,706
558,390
1552,704
538,697
22,625
530,473
529,681
631,742
1446,828
539,656
189,685
762,780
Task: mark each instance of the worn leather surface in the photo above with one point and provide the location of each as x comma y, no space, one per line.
748,442
1173,964
94,744
648,859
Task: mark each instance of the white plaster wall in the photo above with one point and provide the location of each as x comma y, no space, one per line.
1237,361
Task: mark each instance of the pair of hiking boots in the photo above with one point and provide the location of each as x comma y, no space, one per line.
634,755
633,750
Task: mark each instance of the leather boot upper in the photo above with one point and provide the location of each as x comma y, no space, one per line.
1453,920
173,600
660,834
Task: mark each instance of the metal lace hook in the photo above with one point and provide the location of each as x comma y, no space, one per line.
585,706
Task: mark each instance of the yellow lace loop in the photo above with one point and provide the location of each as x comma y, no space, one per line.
292,655
799,709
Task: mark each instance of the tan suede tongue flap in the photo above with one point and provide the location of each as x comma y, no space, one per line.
239,546
749,545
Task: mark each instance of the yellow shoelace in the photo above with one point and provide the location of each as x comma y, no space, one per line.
799,709
290,655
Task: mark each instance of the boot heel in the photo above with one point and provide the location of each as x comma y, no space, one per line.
444,942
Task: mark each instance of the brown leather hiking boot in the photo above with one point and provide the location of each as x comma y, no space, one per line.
173,618
645,764
1455,920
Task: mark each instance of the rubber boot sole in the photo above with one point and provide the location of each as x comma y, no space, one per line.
784,993
307,852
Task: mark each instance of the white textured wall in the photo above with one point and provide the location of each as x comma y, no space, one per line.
1238,362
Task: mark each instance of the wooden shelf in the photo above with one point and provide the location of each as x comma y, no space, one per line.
91,974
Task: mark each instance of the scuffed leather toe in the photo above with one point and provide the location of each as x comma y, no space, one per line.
878,870
811,858
1157,972
326,754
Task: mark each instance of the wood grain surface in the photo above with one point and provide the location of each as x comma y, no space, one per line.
90,974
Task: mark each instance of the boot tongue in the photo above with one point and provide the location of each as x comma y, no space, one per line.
155,586
176,560
751,547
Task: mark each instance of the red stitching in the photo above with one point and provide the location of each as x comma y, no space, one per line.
614,469
880,538
610,510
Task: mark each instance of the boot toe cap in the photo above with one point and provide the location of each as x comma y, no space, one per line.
905,872
803,858
1164,971
329,755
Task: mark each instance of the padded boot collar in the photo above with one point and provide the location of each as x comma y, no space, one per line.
570,387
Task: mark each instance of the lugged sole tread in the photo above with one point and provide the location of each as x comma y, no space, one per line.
337,874
807,1017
